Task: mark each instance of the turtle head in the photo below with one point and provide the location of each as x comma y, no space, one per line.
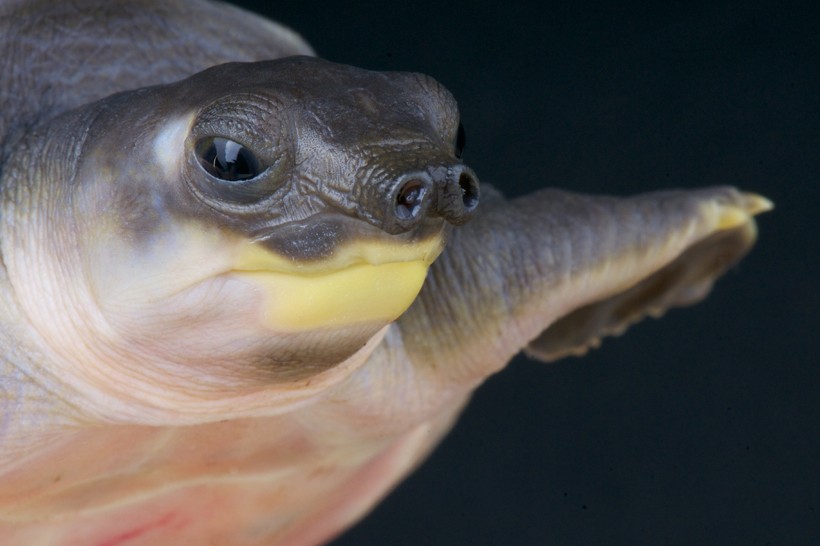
254,223
339,181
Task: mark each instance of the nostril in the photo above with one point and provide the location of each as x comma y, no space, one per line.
409,199
469,191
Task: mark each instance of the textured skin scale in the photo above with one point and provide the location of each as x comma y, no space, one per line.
269,459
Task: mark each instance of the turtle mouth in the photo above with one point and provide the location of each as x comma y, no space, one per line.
363,282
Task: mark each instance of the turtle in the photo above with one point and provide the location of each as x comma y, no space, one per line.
246,290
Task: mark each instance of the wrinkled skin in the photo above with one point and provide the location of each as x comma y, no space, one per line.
147,395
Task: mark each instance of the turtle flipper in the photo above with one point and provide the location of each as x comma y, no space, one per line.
684,281
552,272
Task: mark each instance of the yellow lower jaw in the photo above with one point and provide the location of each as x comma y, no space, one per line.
356,294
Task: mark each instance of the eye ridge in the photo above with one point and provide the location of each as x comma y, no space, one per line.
227,160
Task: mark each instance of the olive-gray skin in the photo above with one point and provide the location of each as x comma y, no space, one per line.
241,301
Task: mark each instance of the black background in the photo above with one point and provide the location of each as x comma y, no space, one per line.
700,428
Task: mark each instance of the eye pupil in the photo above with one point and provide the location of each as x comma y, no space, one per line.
461,138
226,159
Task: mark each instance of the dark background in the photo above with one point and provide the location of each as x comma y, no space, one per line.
701,428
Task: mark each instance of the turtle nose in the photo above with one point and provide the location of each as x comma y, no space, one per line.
449,192
457,194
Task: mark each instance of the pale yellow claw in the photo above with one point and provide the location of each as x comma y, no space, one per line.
756,204
732,216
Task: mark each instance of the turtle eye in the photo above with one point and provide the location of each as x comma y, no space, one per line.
226,159
460,141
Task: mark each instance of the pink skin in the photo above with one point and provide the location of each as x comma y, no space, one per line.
256,481
297,478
